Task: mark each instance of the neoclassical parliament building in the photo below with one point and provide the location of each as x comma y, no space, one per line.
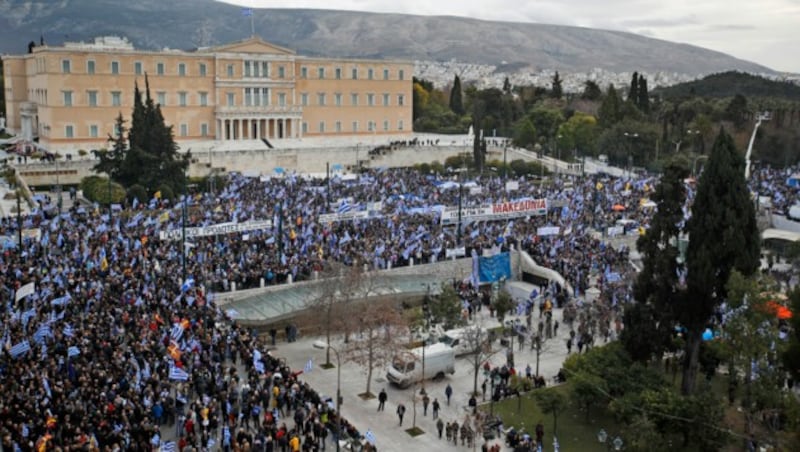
69,96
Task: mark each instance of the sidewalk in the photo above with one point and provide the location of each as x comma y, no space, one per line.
384,425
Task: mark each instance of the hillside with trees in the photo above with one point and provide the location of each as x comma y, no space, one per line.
729,84
631,125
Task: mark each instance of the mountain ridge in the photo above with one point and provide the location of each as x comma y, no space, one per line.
186,24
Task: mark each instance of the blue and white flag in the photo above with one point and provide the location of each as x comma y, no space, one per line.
176,373
188,284
259,366
27,315
42,333
344,206
68,330
247,12
177,332
62,301
46,385
309,366
169,446
73,351
20,349
370,437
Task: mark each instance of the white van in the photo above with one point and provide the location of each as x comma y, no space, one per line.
459,340
406,368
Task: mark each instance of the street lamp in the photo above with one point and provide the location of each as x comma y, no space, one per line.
615,443
325,346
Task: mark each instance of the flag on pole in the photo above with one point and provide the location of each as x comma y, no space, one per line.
370,437
247,12
73,351
309,366
169,446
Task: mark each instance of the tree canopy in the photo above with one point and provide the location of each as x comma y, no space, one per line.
150,156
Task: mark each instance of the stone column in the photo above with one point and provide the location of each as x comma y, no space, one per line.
241,129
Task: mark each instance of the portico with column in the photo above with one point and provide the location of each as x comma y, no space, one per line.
231,127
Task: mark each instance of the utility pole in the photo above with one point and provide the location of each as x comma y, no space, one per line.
19,220
183,227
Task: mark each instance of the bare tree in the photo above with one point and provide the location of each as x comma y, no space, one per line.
476,338
381,327
334,295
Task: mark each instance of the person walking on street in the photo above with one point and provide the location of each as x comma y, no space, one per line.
439,427
448,391
436,408
401,411
382,400
425,401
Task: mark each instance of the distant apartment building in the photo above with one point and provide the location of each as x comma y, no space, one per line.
69,96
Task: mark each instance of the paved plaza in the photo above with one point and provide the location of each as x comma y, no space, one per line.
384,425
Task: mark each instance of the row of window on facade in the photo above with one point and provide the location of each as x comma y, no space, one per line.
253,97
94,131
372,126
184,130
250,69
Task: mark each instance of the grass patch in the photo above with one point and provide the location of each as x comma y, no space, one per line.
367,396
574,431
327,365
415,431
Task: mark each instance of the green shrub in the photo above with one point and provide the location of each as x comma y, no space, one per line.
136,191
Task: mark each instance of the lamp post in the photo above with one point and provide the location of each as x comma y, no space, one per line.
505,165
325,346
183,227
765,116
615,443
632,136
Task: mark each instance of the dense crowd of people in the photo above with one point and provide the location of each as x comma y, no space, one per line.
106,340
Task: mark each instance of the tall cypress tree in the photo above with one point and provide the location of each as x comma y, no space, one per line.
456,100
723,235
558,90
643,96
649,323
633,91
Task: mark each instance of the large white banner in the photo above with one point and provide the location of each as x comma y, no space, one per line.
24,291
326,218
548,230
216,229
497,211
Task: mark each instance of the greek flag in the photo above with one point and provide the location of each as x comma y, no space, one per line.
25,431
247,12
188,284
370,437
46,385
309,366
41,334
176,373
344,207
20,349
73,351
27,315
169,446
259,366
177,332
60,301
68,330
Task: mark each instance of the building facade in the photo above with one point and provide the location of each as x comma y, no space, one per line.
70,96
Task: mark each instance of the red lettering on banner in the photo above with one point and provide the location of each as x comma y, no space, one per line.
520,206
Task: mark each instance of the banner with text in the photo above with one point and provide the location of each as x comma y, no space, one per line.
216,229
497,211
344,216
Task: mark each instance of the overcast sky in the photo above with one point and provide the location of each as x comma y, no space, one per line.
763,31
